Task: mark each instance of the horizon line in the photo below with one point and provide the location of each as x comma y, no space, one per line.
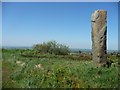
32,46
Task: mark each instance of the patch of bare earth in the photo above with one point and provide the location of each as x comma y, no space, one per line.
5,73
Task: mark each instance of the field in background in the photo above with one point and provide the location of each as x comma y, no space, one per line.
27,70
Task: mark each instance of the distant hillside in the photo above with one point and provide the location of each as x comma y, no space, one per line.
16,47
76,50
72,50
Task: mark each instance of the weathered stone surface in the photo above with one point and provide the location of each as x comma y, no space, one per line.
99,31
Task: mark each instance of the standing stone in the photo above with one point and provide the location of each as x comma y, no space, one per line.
99,31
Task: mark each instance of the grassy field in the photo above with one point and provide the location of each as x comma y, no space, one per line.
43,72
0,68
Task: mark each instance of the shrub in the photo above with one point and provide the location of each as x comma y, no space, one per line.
52,47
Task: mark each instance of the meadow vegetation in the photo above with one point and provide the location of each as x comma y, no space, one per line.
34,68
52,47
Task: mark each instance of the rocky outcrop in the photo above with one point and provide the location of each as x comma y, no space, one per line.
99,31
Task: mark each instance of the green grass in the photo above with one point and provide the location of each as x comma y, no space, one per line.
0,68
34,72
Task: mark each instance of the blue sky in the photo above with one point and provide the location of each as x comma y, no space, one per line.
0,25
25,24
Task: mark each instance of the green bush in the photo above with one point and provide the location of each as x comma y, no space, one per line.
52,47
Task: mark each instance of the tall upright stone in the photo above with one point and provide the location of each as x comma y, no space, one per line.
99,31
